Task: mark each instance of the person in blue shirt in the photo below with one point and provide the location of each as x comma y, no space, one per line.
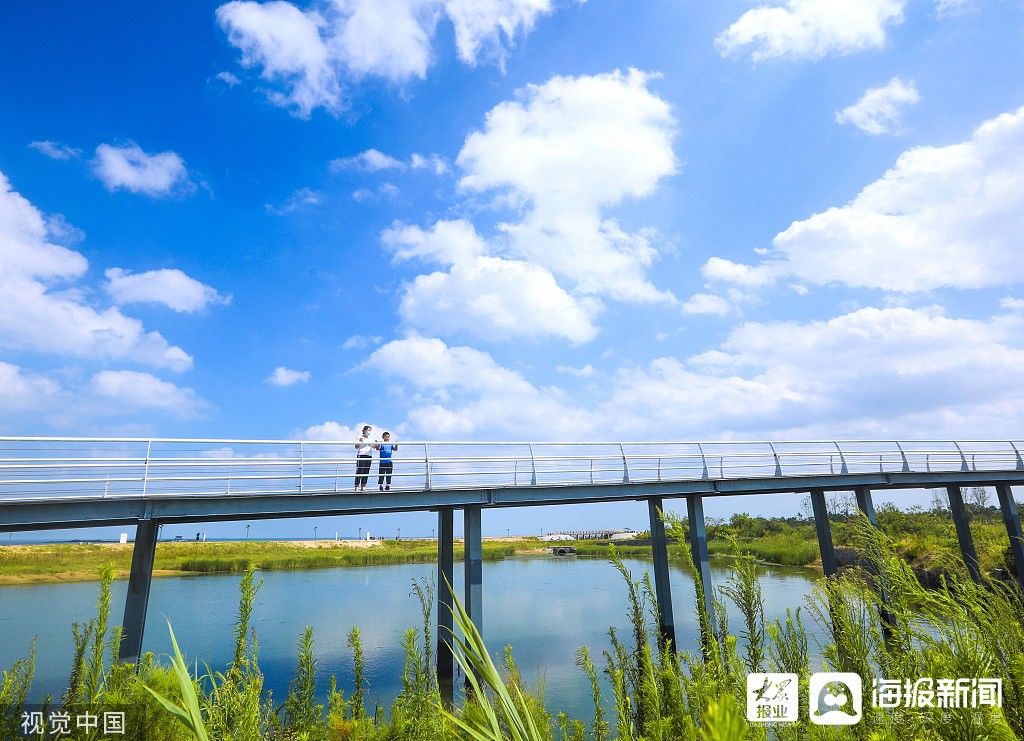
385,465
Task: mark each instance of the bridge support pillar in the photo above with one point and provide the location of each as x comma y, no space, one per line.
963,532
1011,518
867,506
662,587
828,552
698,537
445,620
137,601
474,563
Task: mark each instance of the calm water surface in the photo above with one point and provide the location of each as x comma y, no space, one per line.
545,607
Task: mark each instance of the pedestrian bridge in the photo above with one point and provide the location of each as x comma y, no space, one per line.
52,482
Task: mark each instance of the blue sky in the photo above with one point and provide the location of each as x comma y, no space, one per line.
522,219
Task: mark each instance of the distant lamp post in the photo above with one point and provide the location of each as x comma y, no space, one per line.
314,533
247,526
506,533
360,533
398,534
432,535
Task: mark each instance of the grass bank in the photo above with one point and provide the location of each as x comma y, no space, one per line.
926,540
63,562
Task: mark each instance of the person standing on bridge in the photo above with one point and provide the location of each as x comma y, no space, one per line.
364,456
385,465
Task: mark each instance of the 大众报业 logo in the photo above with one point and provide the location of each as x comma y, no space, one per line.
772,697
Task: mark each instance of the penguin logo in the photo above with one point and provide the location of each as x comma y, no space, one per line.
836,698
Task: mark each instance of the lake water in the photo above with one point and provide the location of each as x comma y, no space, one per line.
545,607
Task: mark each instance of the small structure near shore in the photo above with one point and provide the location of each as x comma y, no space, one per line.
563,550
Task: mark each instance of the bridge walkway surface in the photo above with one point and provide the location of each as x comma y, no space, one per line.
55,483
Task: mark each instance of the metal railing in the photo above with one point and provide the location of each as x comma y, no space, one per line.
46,468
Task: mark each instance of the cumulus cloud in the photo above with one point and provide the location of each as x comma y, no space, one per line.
706,303
300,199
21,389
358,341
330,431
466,392
434,162
309,54
567,150
45,312
172,288
949,216
56,150
132,169
893,372
811,29
481,295
144,391
287,377
880,109
372,160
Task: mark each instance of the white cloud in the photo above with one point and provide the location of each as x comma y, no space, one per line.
382,191
169,287
811,29
948,8
466,393
880,109
490,26
446,243
56,150
131,168
585,372
567,150
496,299
358,341
331,431
286,44
434,162
287,377
228,78
706,303
310,53
1013,304
41,315
894,372
372,160
489,297
300,199
143,391
21,390
948,216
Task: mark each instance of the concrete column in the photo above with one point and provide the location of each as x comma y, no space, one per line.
137,601
866,504
474,562
445,621
662,587
701,561
1011,519
963,532
824,530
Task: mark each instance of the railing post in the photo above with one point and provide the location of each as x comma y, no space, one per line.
778,462
662,586
903,455
705,474
137,599
843,468
1011,518
533,466
445,618
1020,460
625,465
698,537
426,463
963,532
301,471
963,458
145,471
828,552
473,562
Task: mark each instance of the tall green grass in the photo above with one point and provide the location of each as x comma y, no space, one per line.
642,688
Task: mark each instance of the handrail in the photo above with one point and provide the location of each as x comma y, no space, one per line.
49,468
